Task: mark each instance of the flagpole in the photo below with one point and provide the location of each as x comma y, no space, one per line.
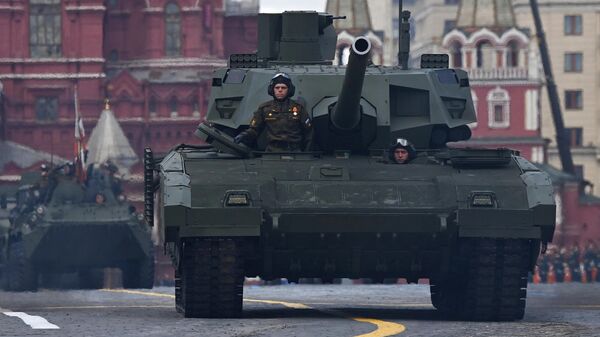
79,139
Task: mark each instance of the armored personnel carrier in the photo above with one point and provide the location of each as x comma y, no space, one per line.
60,225
473,221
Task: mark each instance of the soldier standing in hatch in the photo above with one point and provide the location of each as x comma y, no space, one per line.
401,152
285,121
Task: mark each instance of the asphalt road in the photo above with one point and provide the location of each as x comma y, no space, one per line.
292,310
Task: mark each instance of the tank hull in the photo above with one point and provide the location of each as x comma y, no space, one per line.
290,216
66,247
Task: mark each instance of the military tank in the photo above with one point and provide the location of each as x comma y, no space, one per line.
60,225
472,221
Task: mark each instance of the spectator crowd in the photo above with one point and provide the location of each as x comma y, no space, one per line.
568,264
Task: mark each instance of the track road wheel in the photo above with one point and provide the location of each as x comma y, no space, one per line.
435,291
21,273
178,304
488,281
212,279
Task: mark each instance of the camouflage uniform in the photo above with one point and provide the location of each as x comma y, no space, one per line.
286,123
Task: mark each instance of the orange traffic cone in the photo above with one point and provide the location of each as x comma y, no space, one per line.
568,275
583,273
551,275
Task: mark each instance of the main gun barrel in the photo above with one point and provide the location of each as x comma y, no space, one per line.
346,112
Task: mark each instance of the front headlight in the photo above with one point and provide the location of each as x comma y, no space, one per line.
40,210
483,199
237,198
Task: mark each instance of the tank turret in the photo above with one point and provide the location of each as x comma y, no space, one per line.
358,108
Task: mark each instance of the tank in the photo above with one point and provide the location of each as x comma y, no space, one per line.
472,221
60,225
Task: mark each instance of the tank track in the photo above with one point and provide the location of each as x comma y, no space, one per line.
488,281
212,279
178,304
21,274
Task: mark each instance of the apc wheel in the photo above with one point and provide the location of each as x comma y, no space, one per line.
489,281
3,278
212,279
140,274
91,278
21,273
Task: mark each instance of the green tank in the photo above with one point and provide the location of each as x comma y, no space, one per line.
62,226
472,221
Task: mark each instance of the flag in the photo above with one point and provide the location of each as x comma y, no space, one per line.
79,140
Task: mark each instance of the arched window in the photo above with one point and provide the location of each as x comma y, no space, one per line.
44,28
195,106
173,106
456,53
113,56
512,54
173,30
498,108
152,106
485,55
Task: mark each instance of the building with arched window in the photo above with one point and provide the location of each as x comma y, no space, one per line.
487,43
152,58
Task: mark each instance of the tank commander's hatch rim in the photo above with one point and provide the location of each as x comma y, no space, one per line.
221,141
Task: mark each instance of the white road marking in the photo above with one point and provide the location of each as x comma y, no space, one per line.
35,322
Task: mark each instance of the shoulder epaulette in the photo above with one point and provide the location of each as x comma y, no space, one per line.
264,104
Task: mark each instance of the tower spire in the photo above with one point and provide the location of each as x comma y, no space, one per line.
492,14
357,15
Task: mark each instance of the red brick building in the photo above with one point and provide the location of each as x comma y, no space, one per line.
152,58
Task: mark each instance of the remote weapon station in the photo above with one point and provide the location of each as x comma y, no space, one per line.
473,221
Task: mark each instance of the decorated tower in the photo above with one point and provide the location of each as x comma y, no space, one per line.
357,23
500,58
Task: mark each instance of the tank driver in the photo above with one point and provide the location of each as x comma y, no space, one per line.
402,152
286,123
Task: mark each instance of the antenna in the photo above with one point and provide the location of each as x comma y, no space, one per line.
403,36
